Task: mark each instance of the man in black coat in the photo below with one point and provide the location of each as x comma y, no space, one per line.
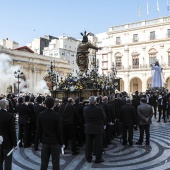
24,122
80,131
128,119
49,126
8,132
38,107
94,128
153,102
70,121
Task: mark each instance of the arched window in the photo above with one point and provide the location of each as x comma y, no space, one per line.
135,59
168,57
118,60
152,55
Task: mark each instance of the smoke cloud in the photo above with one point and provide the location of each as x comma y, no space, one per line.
7,78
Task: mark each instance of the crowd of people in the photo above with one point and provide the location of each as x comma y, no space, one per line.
73,123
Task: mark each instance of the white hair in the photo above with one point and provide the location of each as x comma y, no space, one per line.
3,103
92,100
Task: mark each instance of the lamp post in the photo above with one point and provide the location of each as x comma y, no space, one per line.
115,80
52,74
19,75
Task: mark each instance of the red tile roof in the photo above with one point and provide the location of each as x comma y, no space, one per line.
24,48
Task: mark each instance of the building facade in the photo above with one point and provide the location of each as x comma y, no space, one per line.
132,48
10,44
38,44
65,48
33,66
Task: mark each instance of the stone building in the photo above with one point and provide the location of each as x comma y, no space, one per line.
10,44
38,44
133,48
65,48
33,66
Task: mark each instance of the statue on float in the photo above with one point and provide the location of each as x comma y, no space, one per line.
156,75
82,53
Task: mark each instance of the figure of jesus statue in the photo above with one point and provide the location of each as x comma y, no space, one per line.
82,53
156,75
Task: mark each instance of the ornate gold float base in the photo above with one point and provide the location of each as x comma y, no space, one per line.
85,93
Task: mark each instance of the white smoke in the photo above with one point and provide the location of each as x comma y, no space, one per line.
6,72
7,78
41,87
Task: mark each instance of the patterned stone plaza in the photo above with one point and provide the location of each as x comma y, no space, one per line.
116,156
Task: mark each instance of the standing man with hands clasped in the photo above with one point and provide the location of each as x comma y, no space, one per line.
49,128
8,132
145,113
94,129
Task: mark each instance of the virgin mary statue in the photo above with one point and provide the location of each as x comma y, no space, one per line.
156,75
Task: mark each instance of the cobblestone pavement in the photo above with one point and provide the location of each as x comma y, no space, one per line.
117,157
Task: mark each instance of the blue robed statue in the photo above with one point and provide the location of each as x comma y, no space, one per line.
156,75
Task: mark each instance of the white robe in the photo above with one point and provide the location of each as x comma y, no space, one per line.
156,76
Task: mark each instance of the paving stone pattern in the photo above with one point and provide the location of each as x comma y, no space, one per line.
116,156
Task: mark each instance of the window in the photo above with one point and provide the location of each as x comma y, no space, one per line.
168,58
63,53
72,62
105,57
68,54
135,61
118,61
55,54
135,37
69,47
152,58
72,55
65,46
51,53
152,35
168,33
117,40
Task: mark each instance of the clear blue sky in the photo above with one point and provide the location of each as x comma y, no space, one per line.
23,20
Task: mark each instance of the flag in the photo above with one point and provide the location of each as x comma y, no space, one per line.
167,5
157,6
139,11
147,5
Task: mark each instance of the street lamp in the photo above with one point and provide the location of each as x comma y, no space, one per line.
19,75
52,74
115,80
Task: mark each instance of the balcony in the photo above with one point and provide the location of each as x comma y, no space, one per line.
120,67
118,42
104,67
135,66
104,59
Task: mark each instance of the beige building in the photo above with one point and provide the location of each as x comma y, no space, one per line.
65,48
133,48
10,44
33,66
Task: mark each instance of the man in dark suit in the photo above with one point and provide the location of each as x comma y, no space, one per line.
38,107
24,122
7,131
128,119
153,102
49,126
80,131
94,128
145,113
70,121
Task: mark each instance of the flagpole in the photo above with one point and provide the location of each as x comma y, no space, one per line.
167,8
147,9
157,8
139,11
